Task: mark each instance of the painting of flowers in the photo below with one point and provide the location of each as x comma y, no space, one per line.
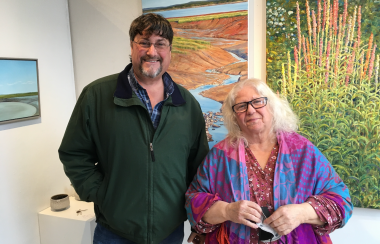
322,57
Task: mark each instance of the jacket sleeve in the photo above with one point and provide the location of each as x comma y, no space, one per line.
199,148
78,153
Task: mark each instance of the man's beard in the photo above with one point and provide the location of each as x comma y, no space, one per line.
151,73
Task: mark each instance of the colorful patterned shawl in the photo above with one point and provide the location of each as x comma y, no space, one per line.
301,171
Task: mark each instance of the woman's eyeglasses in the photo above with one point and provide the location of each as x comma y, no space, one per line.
255,103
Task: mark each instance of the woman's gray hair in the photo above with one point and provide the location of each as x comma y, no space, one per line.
284,119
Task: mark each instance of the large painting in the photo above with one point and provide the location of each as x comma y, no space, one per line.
322,57
19,94
209,51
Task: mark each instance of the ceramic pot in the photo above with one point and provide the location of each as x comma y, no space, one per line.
59,202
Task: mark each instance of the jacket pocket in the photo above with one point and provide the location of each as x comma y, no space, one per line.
102,191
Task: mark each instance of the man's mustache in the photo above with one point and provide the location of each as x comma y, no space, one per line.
147,58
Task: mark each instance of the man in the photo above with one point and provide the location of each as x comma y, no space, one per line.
134,143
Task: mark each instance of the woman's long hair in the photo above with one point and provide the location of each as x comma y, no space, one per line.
284,119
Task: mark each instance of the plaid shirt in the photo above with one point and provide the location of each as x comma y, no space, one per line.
142,94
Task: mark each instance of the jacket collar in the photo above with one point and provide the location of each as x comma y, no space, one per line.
124,90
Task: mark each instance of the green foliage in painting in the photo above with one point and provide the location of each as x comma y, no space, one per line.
19,95
330,77
208,17
180,45
281,35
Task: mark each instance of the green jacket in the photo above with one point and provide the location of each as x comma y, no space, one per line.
138,193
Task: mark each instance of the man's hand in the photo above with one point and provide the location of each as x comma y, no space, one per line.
196,238
244,212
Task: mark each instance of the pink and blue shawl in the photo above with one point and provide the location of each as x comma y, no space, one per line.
301,171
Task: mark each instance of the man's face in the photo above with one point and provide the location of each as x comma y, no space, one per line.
150,62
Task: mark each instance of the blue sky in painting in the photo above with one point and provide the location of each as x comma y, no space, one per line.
18,76
163,3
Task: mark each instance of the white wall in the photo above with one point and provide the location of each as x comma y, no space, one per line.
363,227
100,37
30,169
257,41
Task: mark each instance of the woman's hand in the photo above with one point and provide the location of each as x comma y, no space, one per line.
196,238
244,212
241,212
287,218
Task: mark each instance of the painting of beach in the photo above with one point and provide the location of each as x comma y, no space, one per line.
209,51
19,94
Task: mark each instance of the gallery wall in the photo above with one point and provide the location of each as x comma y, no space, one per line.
100,37
30,169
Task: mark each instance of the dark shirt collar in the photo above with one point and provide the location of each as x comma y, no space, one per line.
124,89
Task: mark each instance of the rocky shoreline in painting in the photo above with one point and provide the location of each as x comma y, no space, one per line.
211,119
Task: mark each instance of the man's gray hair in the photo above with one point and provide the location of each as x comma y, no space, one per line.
284,119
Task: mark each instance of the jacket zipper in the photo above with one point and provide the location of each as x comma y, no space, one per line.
152,152
150,239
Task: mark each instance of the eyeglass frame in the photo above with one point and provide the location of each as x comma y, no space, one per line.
250,102
154,44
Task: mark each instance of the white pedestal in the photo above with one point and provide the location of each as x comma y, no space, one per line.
67,226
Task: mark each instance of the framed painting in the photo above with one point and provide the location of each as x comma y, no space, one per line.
19,90
209,51
322,56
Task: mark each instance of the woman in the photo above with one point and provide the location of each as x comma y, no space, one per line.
263,162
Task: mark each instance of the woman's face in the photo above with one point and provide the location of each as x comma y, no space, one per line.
253,121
